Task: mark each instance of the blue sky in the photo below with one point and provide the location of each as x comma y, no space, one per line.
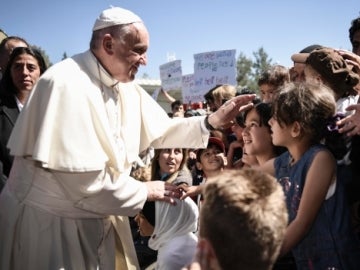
184,28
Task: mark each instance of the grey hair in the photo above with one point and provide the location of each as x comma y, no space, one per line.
119,32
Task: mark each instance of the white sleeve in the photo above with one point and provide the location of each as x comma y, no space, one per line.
104,193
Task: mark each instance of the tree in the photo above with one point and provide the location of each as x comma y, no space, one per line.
262,62
43,53
248,71
244,72
64,56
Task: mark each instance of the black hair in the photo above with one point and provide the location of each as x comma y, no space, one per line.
175,103
7,84
264,110
355,26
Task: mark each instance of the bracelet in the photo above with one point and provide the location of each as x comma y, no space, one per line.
207,124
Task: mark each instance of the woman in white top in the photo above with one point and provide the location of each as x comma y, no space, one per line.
172,233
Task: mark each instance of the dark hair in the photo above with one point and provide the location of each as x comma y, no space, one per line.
7,83
264,110
209,98
276,75
312,105
7,39
175,103
355,25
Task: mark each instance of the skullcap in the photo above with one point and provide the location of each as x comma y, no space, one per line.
115,16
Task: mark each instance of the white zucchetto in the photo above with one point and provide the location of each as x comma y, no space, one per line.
115,16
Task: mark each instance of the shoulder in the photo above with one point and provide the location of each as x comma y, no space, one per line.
322,154
319,157
184,176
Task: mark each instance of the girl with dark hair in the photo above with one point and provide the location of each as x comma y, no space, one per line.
257,134
319,233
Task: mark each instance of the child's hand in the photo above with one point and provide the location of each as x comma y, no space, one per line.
189,191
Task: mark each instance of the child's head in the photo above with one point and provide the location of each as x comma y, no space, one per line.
327,66
212,158
243,219
257,133
216,96
305,110
271,80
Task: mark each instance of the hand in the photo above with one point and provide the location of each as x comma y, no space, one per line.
189,191
351,59
223,116
162,191
350,124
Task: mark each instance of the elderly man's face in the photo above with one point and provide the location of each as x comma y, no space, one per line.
130,55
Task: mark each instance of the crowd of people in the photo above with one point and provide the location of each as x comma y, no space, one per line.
96,175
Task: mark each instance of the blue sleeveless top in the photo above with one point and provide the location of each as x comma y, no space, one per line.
330,243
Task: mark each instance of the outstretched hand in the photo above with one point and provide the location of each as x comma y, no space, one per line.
162,191
222,117
189,191
350,125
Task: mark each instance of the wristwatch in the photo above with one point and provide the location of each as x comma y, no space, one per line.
207,124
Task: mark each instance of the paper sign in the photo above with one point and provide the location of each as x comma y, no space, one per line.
214,68
171,75
189,93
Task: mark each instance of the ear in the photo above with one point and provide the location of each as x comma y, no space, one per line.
206,255
108,43
296,129
207,247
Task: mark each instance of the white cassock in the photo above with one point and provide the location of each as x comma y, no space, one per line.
66,202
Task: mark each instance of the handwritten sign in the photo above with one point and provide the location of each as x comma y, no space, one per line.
214,68
171,75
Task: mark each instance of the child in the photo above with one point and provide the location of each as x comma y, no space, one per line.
210,161
257,134
319,232
171,228
243,221
271,80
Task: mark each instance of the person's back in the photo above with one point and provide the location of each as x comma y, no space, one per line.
170,230
173,234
